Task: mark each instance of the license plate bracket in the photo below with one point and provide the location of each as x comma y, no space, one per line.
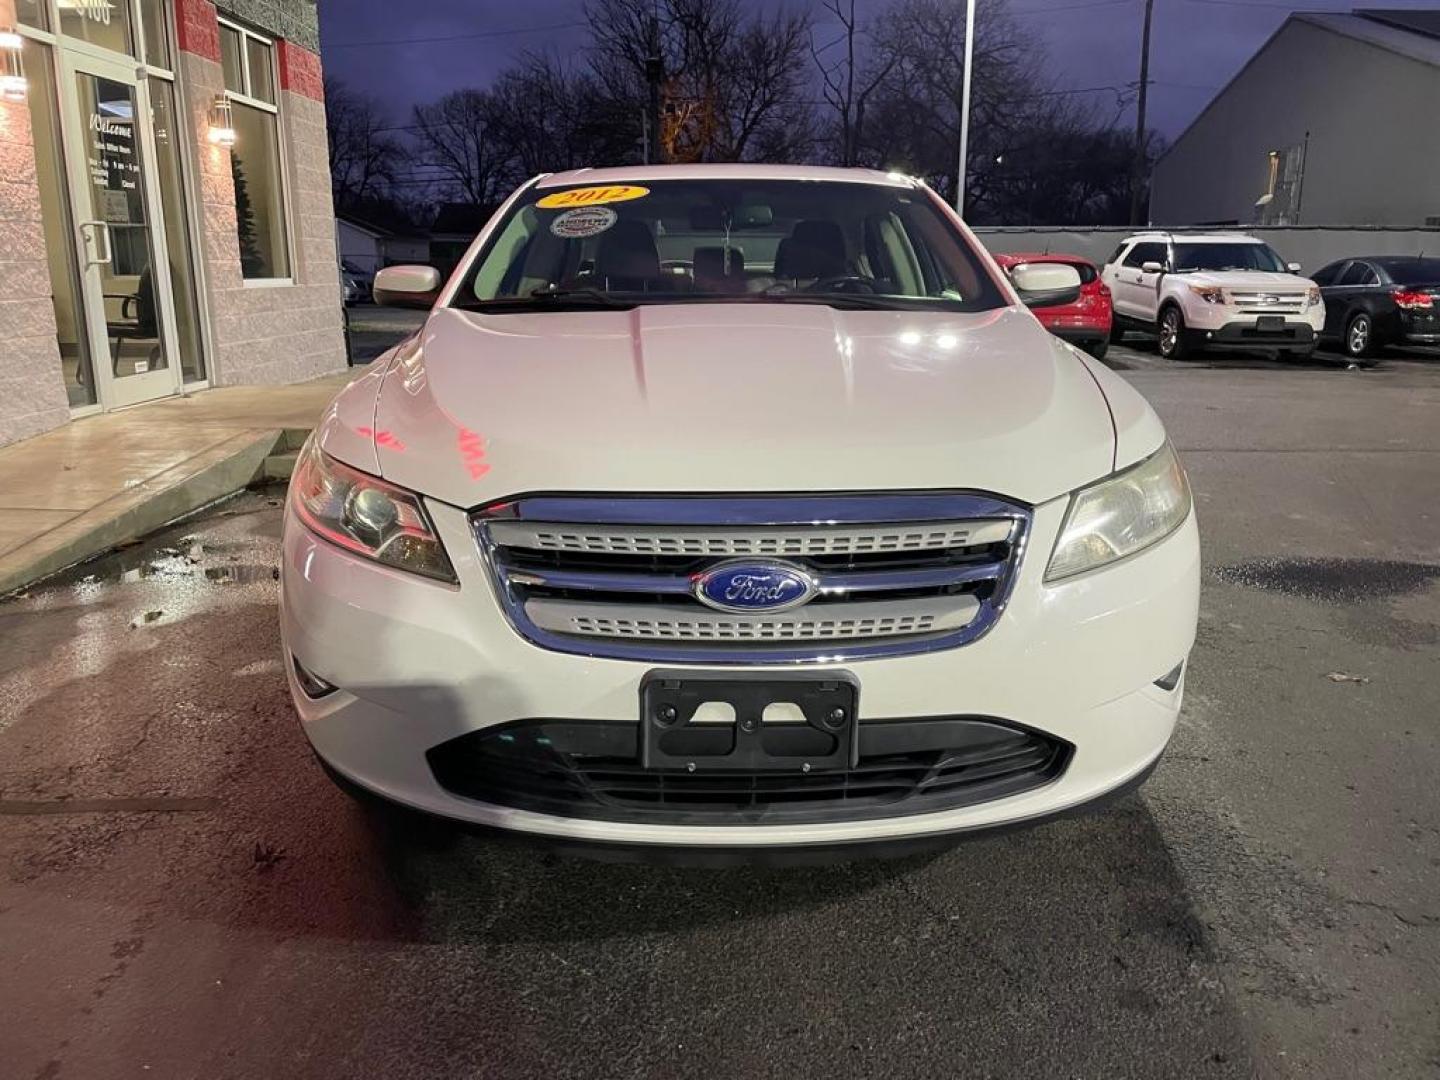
815,728
1270,322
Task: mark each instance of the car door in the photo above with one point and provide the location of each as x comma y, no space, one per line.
1135,290
1354,290
1328,278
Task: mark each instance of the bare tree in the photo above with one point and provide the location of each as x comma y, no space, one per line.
917,104
846,87
548,117
734,81
460,139
365,159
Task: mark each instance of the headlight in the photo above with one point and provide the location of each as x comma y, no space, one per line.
366,515
1121,515
1211,294
1312,296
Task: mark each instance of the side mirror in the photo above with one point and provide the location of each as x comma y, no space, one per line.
1046,284
1152,268
1294,268
407,286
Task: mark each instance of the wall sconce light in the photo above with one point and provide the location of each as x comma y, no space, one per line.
222,122
13,86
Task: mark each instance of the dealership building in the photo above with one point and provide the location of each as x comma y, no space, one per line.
165,213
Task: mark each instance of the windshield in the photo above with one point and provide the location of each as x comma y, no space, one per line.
1238,256
728,241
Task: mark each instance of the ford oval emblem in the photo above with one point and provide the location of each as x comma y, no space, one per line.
754,585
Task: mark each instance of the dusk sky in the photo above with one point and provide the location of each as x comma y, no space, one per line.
441,45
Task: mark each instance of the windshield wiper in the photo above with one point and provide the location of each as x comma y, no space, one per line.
830,299
586,293
548,296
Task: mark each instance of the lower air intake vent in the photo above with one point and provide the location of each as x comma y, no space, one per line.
591,769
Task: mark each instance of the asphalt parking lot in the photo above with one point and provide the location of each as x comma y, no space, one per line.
184,894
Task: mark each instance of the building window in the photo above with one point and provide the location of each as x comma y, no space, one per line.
248,61
33,13
98,22
156,41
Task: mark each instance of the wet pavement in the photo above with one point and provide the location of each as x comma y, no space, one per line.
184,894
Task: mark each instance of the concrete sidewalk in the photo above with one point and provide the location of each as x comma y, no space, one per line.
75,492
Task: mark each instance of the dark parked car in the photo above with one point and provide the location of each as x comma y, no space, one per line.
1378,300
364,281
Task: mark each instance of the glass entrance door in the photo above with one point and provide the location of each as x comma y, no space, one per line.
124,272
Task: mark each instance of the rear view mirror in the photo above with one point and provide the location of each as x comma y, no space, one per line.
407,286
1294,268
1046,284
746,216
1151,268
753,216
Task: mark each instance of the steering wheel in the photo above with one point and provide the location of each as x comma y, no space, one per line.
843,283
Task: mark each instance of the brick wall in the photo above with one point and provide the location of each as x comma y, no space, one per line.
293,20
32,398
266,334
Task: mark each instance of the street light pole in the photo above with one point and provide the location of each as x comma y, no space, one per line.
1137,166
965,106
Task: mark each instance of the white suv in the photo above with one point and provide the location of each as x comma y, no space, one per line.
737,507
1193,291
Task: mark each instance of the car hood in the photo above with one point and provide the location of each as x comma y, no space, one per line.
732,397
1248,279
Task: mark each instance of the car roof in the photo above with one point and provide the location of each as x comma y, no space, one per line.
634,174
1389,258
1041,257
1197,238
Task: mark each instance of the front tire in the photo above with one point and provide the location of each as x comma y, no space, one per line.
1173,337
1359,340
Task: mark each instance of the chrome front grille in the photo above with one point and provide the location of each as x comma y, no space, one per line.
1260,302
814,540
821,622
613,576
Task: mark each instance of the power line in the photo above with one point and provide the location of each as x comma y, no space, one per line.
1281,5
452,37
1070,7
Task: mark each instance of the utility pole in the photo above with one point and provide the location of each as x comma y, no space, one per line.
1137,170
965,106
654,76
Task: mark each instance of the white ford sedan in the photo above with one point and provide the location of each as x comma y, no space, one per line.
737,507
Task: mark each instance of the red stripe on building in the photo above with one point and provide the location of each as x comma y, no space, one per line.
196,29
300,70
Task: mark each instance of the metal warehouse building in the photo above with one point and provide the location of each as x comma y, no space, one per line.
1332,122
165,213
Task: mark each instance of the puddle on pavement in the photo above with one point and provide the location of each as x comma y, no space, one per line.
242,574
218,547
1342,581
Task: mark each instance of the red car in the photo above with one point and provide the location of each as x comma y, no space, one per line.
1086,322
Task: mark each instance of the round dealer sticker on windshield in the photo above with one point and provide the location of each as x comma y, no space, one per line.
586,221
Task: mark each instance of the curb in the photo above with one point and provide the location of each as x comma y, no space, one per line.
224,469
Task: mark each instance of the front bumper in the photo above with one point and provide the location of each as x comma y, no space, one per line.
1294,334
419,664
1222,324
